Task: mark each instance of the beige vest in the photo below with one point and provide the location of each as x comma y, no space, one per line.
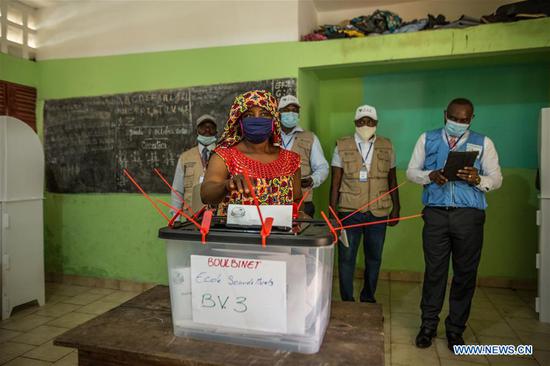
353,193
191,164
303,141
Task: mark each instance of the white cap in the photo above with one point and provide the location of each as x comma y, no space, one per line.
287,100
366,111
203,118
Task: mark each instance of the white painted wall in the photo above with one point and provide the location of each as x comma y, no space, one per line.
84,28
307,17
96,28
409,10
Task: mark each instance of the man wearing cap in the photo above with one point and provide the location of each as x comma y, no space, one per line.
314,166
192,164
363,168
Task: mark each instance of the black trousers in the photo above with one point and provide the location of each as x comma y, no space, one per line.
309,208
455,233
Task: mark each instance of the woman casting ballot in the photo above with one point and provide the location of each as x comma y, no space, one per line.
250,143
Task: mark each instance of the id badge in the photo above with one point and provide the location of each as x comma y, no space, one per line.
363,174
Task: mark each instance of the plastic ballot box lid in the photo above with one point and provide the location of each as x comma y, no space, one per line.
309,233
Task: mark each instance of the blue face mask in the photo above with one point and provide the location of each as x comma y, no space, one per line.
456,129
289,119
206,140
257,129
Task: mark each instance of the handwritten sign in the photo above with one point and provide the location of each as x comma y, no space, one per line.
239,292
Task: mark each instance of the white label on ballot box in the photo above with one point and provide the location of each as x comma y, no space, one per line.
247,215
239,292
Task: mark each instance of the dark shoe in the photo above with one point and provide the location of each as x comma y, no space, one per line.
350,300
372,301
424,338
454,339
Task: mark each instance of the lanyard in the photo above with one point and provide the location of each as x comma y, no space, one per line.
287,144
366,158
456,143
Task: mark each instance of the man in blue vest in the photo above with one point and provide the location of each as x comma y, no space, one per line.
454,215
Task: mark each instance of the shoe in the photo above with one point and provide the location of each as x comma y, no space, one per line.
454,339
372,301
424,338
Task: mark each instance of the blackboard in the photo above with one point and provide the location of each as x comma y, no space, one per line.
89,141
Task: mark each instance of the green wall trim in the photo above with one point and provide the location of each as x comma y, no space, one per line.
17,70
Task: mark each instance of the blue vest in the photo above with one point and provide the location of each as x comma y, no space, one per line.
455,193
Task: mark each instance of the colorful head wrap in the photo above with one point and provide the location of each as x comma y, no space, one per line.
260,98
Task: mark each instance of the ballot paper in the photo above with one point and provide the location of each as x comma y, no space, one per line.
247,215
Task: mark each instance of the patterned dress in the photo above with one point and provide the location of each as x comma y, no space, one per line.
274,180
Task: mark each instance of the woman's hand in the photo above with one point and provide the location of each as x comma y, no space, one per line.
238,183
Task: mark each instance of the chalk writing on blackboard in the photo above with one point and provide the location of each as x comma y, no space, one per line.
89,141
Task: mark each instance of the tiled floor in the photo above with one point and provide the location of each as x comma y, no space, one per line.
26,338
499,316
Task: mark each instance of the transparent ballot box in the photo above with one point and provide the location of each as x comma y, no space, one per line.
232,289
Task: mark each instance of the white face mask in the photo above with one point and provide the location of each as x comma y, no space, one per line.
206,140
365,132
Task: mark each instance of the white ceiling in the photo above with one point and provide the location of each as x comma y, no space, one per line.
38,4
321,5
331,5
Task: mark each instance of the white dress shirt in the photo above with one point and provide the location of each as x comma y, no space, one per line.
179,176
364,148
317,161
490,180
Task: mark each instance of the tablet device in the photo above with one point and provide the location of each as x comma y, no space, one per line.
457,160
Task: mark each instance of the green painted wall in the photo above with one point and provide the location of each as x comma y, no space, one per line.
104,235
115,235
507,101
18,71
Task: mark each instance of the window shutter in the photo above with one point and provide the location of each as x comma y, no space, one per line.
21,103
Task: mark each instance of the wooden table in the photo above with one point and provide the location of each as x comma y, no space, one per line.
139,332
